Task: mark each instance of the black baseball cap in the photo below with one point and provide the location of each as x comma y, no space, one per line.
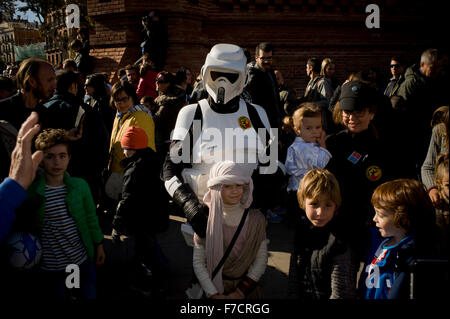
356,96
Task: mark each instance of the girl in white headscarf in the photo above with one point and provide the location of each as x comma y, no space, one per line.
229,195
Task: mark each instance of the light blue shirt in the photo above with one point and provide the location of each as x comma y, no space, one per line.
302,157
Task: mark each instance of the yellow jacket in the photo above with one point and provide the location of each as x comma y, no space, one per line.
137,118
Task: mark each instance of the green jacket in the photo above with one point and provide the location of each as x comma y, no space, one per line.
80,206
413,84
396,87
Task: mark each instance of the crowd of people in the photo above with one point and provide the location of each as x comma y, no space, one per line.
361,171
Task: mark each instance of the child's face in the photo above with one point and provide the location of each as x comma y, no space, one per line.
310,129
232,194
320,211
56,160
384,220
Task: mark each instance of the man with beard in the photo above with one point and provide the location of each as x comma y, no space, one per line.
132,73
262,84
36,81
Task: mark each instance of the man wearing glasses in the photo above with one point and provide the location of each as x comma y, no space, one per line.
262,85
397,69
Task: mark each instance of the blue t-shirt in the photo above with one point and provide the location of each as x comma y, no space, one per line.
378,275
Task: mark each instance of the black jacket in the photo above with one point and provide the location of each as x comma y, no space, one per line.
142,207
84,62
198,93
421,97
101,105
288,100
360,163
14,111
263,89
89,153
155,42
315,250
165,117
61,111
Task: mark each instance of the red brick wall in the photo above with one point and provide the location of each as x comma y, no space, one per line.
299,29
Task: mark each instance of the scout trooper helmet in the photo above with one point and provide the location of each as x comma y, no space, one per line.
224,72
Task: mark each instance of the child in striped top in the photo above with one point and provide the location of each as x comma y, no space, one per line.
66,221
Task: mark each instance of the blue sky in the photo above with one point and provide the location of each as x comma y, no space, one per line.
28,15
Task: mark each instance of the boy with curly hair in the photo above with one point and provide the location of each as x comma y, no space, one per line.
65,219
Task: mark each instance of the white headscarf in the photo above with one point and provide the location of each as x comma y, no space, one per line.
222,173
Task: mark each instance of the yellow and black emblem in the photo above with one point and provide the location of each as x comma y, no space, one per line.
374,173
244,122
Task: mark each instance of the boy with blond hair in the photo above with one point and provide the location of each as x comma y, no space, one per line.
322,266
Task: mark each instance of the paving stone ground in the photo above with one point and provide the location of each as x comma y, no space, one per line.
115,274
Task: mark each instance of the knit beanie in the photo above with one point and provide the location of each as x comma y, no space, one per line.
134,138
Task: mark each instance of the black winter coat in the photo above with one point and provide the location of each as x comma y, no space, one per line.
316,252
61,111
142,207
360,163
14,111
263,89
90,153
165,117
100,104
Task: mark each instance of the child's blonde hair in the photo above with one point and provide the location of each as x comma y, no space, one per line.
307,109
316,183
441,170
325,62
408,200
441,118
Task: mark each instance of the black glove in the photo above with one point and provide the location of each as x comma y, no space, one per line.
200,220
196,213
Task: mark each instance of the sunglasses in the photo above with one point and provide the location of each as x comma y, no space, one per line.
395,66
357,114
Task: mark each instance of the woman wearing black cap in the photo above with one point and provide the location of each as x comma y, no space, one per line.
359,162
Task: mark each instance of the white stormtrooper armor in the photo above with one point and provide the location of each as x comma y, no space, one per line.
226,136
222,127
